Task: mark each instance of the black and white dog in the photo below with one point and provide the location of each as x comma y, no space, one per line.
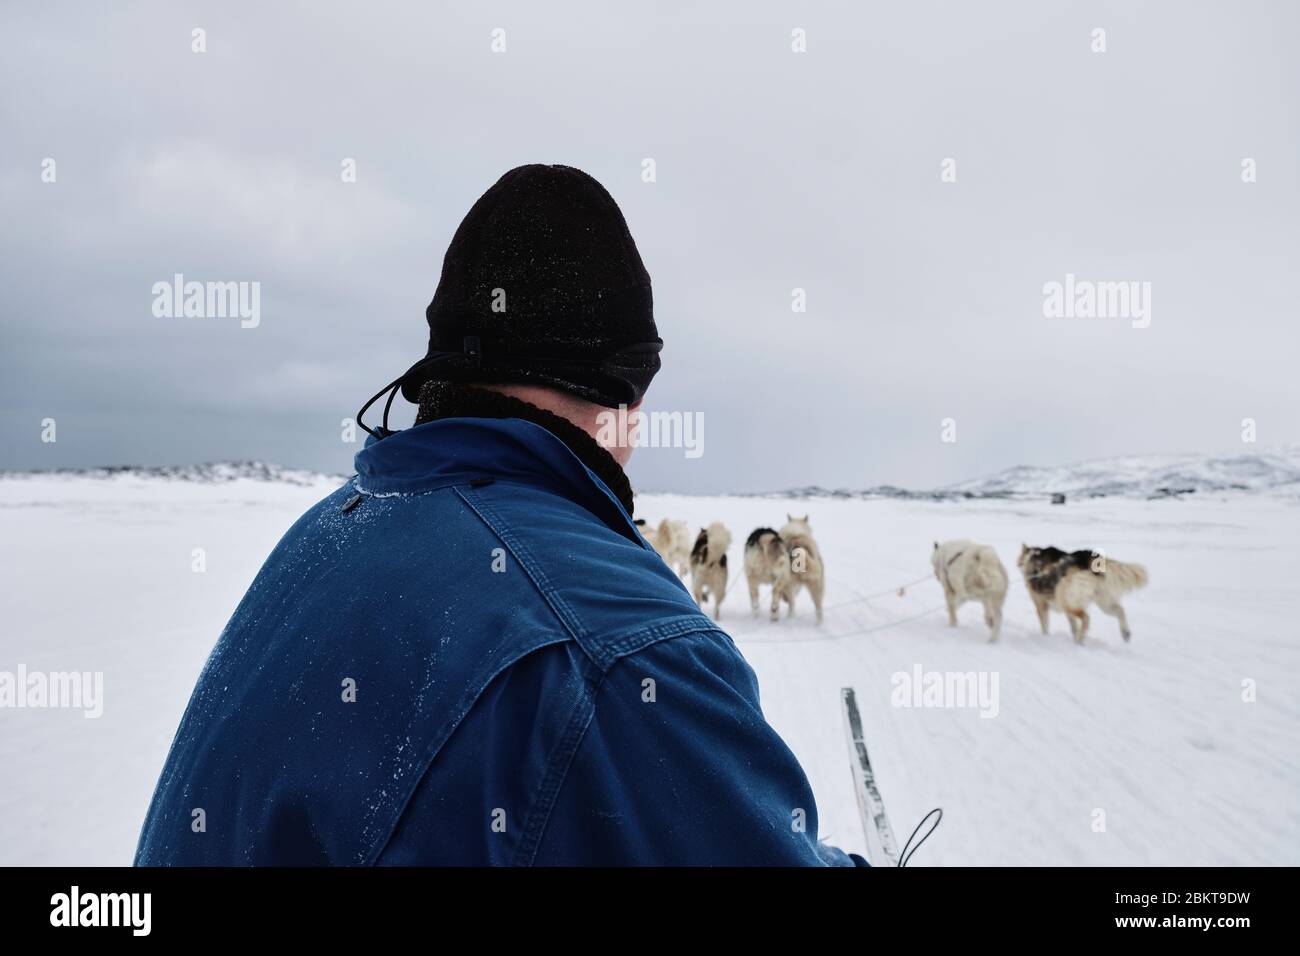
1069,581
709,566
788,560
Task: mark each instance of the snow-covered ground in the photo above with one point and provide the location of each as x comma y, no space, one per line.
99,576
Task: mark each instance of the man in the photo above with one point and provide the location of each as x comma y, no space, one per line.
468,654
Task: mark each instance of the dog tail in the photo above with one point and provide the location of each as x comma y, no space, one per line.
990,575
1123,576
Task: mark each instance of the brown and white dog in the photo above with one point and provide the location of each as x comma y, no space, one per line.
1069,581
971,572
709,566
672,539
806,567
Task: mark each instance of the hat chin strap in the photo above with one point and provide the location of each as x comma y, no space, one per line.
473,350
393,387
383,431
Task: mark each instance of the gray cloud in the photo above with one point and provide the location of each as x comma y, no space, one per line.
775,171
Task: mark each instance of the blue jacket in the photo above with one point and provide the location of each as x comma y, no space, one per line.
469,655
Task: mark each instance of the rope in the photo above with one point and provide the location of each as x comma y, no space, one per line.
894,590
734,582
906,856
897,589
832,637
887,624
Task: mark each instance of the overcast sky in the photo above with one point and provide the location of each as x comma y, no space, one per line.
775,170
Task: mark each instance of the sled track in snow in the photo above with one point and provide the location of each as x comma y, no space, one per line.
1097,755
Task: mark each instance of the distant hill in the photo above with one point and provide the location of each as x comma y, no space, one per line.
207,473
1134,476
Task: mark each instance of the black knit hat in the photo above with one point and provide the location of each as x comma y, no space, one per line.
542,284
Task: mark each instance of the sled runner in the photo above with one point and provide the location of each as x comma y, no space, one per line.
882,848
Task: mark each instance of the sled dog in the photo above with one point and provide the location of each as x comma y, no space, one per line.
766,562
968,571
806,568
1071,580
672,539
709,566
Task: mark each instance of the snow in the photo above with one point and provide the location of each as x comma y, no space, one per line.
1276,471
1155,733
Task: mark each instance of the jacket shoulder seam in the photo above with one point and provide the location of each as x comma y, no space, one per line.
656,632
557,771
524,556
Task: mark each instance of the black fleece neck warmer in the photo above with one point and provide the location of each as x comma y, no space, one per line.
447,400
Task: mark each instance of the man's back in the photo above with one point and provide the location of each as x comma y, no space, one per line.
468,655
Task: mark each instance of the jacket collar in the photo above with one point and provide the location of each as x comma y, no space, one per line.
454,400
451,451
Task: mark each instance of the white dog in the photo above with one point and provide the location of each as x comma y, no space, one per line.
709,566
766,562
971,572
672,539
